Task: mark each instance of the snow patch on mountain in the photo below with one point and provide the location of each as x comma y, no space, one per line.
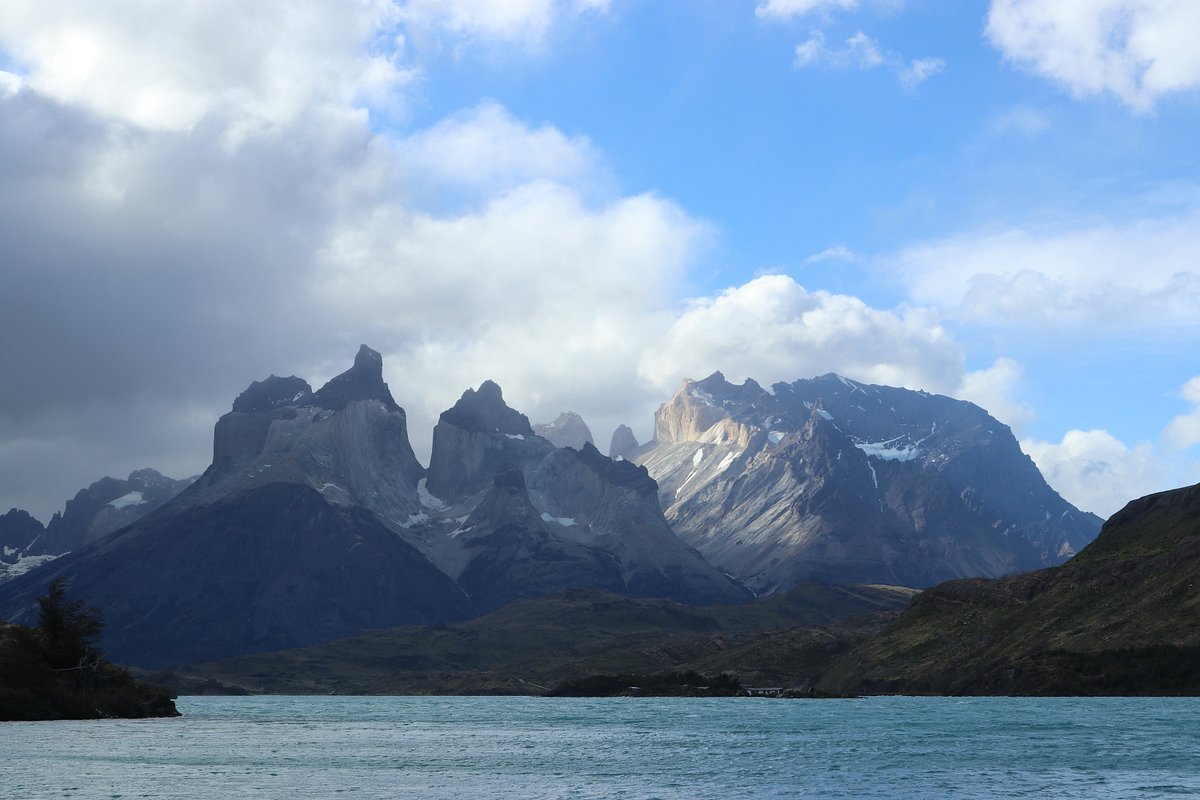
427,499
889,450
127,500
23,565
727,460
420,518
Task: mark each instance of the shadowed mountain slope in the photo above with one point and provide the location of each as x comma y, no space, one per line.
530,645
1122,617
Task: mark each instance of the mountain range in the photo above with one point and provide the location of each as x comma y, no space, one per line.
844,482
1120,618
315,519
106,506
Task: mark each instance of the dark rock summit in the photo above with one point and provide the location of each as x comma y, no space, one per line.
18,530
484,410
269,394
363,381
476,437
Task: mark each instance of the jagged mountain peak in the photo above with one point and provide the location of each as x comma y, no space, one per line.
18,529
623,444
476,437
619,473
567,430
506,502
271,393
363,381
722,388
484,409
348,441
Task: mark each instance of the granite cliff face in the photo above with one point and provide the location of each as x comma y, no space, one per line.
348,442
843,482
291,536
510,515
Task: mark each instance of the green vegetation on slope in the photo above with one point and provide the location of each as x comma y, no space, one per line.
1122,617
529,646
55,672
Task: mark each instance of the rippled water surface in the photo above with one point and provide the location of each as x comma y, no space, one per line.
462,748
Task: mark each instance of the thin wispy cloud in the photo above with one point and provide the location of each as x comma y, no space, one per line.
861,52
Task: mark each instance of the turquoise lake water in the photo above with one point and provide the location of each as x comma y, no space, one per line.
461,748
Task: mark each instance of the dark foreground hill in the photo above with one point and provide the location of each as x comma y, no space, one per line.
532,645
1121,618
54,671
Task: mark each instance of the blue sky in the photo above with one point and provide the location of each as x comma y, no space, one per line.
589,200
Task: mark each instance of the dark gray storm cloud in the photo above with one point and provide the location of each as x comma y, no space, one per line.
152,270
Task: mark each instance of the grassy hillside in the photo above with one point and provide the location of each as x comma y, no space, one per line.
1122,617
532,645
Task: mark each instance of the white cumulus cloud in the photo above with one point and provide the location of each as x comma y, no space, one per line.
1097,472
994,389
485,151
166,66
552,298
1137,50
1183,431
773,329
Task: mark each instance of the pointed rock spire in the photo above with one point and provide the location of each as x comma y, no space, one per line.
623,444
363,381
485,410
568,430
